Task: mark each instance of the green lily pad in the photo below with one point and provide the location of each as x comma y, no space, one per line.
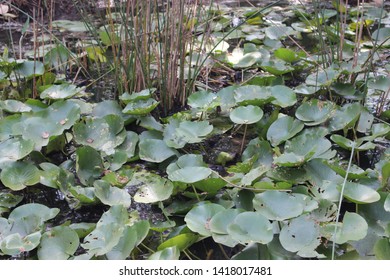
9,200
287,55
71,26
89,165
345,117
152,187
178,133
358,145
14,106
340,167
84,195
279,206
169,253
284,96
322,77
14,244
382,249
58,244
29,69
283,129
278,31
246,114
203,100
220,221
188,169
145,95
19,175
155,150
301,235
198,218
62,91
29,218
360,194
49,174
82,229
111,195
387,203
253,95
353,228
181,241
14,149
248,227
140,107
132,236
103,134
315,111
381,35
276,67
109,230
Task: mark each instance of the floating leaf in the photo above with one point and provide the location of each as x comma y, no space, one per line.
382,249
283,129
145,95
276,205
62,91
284,96
140,107
108,231
29,218
353,227
14,244
220,221
169,253
251,227
132,236
89,165
59,243
246,114
155,150
152,187
19,175
188,169
14,106
198,218
252,95
315,111
101,134
181,241
111,195
322,77
345,117
14,149
360,194
301,235
71,26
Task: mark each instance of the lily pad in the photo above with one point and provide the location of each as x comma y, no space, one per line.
140,107
145,94
284,96
111,195
19,175
283,129
246,114
322,77
14,149
169,253
89,165
62,91
276,205
360,194
14,244
220,221
108,231
29,218
155,150
152,187
353,228
253,95
103,134
58,244
132,236
198,218
188,169
251,227
315,111
14,106
181,241
301,235
345,117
